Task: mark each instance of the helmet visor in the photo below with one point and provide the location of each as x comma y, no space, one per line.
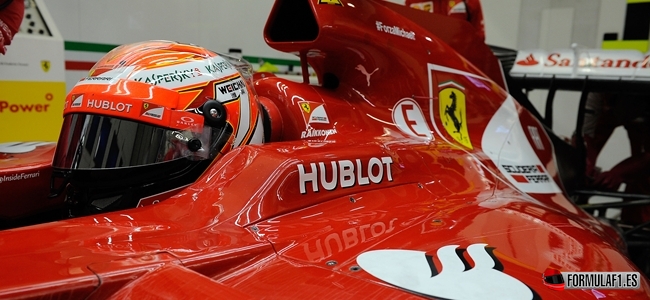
103,142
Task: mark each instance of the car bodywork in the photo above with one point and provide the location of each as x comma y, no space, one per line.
408,172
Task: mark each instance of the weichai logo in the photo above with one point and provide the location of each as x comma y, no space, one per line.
12,107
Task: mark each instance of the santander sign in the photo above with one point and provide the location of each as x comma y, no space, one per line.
599,62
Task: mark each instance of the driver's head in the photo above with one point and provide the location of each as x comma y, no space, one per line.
151,117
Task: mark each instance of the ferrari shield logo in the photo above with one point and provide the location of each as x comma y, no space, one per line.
153,111
45,65
305,107
77,100
453,115
314,112
424,5
331,2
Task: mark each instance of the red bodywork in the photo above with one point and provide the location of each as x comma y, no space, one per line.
354,198
25,172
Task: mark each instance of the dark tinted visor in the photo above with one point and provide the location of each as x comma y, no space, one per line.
102,142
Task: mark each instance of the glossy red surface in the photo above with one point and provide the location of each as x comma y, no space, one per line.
26,176
293,218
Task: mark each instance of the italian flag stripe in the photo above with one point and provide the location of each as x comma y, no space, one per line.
76,63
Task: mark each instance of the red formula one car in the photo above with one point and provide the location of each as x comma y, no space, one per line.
407,172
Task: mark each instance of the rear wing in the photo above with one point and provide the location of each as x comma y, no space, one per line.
576,69
585,70
593,70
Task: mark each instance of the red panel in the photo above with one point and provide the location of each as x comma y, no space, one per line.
175,282
71,65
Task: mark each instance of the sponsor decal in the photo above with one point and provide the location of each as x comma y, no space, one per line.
311,132
528,61
453,113
527,173
185,74
331,2
31,102
152,110
233,92
230,89
109,105
45,65
6,106
505,142
77,100
409,118
313,112
231,86
171,76
20,176
458,277
346,239
363,71
557,59
217,67
26,107
185,120
395,30
457,8
96,80
344,173
425,6
107,77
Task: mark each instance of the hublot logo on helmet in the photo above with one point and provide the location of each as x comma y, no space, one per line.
109,105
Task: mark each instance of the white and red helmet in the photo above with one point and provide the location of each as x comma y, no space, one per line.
150,117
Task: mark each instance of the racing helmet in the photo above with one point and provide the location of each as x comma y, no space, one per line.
150,118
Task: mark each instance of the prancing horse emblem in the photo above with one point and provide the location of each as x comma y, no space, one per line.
453,113
45,65
450,113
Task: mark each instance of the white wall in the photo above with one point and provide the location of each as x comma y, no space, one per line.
611,18
499,17
217,25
